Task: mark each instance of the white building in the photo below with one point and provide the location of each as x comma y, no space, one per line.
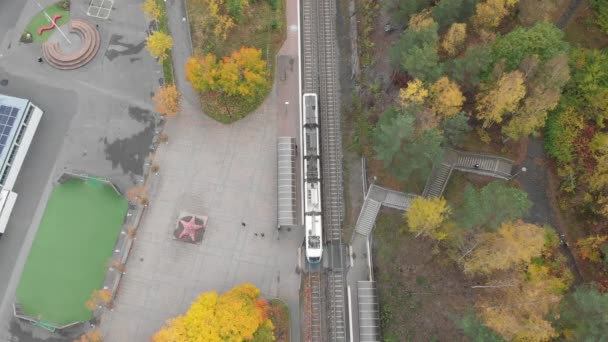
19,119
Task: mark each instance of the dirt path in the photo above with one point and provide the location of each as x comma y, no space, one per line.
535,181
565,18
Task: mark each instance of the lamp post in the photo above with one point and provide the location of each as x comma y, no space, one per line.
523,169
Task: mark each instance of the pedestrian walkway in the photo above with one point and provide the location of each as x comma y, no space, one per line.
375,198
363,313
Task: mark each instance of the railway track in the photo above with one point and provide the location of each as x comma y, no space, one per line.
316,307
331,142
320,76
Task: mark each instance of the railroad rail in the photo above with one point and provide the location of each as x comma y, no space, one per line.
319,75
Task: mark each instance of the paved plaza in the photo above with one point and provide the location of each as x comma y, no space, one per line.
228,173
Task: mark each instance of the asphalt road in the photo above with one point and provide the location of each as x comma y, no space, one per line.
9,14
59,108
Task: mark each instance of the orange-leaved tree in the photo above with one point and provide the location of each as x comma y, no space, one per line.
242,74
234,316
166,100
98,298
90,336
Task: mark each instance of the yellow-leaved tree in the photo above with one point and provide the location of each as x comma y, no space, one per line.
589,248
242,74
489,13
420,20
426,216
445,98
151,9
158,43
514,243
414,93
234,316
454,38
501,98
166,100
516,304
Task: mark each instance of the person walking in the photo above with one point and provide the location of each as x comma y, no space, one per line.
476,166
243,224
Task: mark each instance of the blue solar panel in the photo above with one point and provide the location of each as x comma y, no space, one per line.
7,120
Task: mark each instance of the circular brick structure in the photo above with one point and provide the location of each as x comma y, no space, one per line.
89,46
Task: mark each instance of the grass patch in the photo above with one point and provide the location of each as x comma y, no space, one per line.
69,256
163,26
279,315
40,20
262,26
420,289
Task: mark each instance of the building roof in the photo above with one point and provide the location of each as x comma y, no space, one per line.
12,114
286,181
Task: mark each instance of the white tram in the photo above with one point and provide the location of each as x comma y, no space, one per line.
311,162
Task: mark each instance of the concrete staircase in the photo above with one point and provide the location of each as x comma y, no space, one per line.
89,40
367,216
487,165
438,180
375,198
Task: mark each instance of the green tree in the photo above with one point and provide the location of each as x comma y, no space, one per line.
448,12
600,10
416,52
544,40
492,205
588,89
392,128
236,8
582,315
402,10
426,216
455,129
405,151
476,331
470,69
563,126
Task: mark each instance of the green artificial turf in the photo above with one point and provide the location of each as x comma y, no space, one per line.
71,251
41,20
